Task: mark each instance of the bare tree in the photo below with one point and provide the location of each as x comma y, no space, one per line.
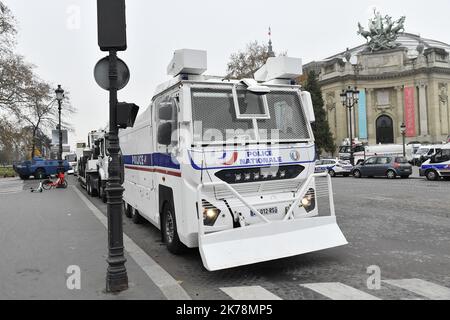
244,64
40,111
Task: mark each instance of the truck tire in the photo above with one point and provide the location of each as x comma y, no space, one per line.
94,191
170,232
102,192
127,210
89,190
39,174
136,217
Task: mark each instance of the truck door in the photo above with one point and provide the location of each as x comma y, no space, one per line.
166,137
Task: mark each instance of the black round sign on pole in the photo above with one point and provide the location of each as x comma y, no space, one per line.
101,74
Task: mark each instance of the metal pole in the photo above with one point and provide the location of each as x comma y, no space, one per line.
117,278
61,167
404,146
352,160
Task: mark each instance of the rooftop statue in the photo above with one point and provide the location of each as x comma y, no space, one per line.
382,32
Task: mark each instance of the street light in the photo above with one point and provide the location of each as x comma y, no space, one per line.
60,97
403,131
349,99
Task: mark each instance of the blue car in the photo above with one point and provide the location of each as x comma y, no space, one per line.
39,168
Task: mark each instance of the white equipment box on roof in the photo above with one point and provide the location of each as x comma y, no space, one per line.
188,61
280,68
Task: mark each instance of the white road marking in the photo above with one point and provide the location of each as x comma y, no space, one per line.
339,291
166,283
422,288
249,293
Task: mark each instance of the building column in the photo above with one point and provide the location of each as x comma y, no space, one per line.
423,109
371,130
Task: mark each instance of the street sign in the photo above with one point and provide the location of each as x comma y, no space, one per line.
101,74
55,149
111,20
55,137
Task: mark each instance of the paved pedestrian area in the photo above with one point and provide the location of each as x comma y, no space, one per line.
45,235
398,230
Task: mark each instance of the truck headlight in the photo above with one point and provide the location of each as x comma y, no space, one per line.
210,214
309,201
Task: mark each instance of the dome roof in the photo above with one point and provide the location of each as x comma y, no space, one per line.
406,40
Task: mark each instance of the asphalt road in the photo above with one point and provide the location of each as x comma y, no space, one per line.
401,226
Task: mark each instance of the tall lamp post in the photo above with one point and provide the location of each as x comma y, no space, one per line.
403,131
60,97
349,99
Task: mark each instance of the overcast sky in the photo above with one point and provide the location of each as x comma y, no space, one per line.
63,44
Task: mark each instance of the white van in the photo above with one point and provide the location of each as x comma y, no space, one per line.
228,166
425,153
438,166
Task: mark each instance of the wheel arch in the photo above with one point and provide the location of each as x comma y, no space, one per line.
165,197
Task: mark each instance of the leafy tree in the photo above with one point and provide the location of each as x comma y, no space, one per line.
321,128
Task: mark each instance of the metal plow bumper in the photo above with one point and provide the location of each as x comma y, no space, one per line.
259,243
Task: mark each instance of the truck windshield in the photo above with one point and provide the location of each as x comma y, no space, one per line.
215,119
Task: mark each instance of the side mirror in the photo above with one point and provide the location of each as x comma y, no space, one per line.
165,134
96,152
308,106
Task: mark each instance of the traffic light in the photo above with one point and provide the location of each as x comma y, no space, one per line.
126,114
111,22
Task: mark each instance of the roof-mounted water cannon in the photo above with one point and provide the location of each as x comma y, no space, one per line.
284,69
254,87
188,61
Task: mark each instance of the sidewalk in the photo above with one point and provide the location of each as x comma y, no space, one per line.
42,234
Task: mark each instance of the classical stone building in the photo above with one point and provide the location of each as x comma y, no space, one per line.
405,83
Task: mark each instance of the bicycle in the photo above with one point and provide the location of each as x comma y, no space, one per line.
60,183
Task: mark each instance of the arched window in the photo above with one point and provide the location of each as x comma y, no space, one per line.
385,130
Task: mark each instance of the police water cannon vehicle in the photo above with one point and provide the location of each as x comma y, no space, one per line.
89,175
228,165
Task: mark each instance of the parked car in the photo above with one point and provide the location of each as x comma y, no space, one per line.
39,168
334,167
438,166
384,166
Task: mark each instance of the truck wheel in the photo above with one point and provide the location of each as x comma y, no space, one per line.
127,209
39,174
88,187
431,175
136,217
102,192
169,231
94,191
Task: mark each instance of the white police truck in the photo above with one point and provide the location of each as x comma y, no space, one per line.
438,166
228,166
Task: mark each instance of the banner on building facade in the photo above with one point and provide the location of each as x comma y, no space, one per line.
410,117
362,115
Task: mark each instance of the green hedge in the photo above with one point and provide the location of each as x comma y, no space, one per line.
7,172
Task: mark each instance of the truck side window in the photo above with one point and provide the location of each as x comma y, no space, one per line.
167,112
